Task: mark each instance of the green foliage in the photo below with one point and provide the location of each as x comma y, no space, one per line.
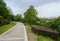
6,27
18,17
3,9
1,17
11,17
30,12
51,23
58,39
5,15
42,22
56,24
42,38
3,21
30,15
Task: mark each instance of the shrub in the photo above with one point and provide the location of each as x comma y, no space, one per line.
56,24
58,39
3,21
42,22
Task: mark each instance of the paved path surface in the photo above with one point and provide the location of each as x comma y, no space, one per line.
17,33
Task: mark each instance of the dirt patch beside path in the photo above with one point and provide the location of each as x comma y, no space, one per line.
31,35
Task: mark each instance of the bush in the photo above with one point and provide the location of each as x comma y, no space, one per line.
31,20
3,21
58,39
56,24
42,22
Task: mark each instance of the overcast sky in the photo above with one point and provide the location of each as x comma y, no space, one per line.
45,8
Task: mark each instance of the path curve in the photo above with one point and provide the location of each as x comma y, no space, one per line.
16,33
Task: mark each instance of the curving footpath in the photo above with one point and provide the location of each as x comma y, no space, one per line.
16,33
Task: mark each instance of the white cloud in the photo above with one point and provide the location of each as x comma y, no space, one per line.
49,10
45,8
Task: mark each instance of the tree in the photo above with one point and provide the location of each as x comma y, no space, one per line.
56,24
4,13
18,17
30,15
3,9
31,11
11,17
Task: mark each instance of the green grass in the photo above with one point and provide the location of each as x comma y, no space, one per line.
42,38
6,27
58,38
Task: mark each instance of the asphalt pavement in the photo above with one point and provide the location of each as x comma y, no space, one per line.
16,33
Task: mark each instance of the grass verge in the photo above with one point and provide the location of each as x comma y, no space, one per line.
34,37
6,27
42,38
31,36
58,38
